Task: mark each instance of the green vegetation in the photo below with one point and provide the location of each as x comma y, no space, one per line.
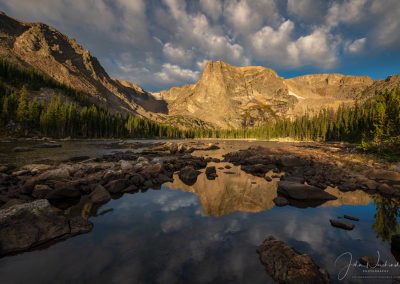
75,117
374,124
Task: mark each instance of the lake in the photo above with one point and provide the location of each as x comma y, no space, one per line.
204,233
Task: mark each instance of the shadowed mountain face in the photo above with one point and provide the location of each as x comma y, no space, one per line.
231,96
53,53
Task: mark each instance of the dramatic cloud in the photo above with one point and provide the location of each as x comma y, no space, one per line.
161,43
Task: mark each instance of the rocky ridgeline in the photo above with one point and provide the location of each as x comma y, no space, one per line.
304,174
30,195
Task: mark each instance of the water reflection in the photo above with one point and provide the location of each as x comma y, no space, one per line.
386,214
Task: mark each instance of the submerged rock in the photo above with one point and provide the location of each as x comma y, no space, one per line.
300,191
342,225
286,265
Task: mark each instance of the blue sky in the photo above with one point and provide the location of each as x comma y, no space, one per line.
163,43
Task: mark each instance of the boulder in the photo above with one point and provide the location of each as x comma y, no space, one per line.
280,201
40,191
64,190
126,165
117,186
385,189
188,175
341,225
26,225
268,178
56,174
36,167
286,265
379,174
300,191
99,195
211,172
292,161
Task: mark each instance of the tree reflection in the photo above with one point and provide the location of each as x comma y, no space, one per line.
387,210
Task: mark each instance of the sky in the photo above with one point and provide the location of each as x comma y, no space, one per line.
162,43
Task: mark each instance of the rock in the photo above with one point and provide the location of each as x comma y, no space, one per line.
286,265
268,178
56,174
257,169
137,179
36,167
351,218
48,145
280,201
40,191
79,225
370,184
26,225
126,165
211,172
99,195
341,225
292,161
385,189
188,175
23,149
370,261
11,202
130,189
300,191
77,159
227,167
395,242
378,174
64,191
117,186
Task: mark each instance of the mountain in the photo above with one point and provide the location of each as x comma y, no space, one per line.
43,48
231,96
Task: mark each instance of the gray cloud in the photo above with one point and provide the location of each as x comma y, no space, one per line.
161,43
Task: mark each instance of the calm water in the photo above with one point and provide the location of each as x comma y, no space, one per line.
207,233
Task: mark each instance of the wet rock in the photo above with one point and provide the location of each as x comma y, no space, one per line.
77,159
188,175
286,265
117,186
48,145
300,191
395,242
23,149
99,195
280,201
370,261
257,169
130,189
341,225
351,218
40,191
26,225
211,173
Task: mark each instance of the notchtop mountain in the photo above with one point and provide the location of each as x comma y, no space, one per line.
226,96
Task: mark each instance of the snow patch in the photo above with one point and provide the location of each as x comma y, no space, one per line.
294,95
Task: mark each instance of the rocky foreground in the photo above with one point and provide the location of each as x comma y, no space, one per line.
35,199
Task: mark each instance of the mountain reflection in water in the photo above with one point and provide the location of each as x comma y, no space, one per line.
239,191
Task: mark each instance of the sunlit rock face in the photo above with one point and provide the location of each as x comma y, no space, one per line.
231,96
47,50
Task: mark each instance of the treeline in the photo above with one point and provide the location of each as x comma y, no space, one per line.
23,114
377,119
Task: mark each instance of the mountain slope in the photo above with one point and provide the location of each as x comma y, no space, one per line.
53,53
230,96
